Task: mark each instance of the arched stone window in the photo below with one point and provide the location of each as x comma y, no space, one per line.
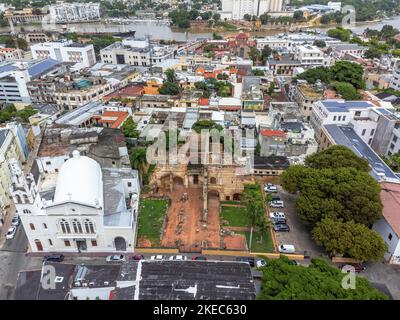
65,227
213,180
89,226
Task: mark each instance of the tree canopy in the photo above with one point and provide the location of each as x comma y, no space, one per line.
206,125
335,184
170,85
349,239
284,280
337,157
129,129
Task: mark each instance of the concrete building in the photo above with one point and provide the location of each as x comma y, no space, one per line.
395,81
74,12
309,56
389,226
14,77
13,145
136,52
236,9
376,126
305,96
332,134
76,203
65,51
10,54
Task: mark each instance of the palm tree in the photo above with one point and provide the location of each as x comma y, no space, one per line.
263,227
138,159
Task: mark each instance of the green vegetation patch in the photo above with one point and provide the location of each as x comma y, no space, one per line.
151,218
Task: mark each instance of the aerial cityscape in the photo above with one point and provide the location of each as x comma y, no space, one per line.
200,150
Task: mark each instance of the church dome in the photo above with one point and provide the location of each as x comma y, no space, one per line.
80,180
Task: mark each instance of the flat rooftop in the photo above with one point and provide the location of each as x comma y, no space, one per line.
346,136
190,280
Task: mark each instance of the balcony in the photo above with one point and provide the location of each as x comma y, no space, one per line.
60,235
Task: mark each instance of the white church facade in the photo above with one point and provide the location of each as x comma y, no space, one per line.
80,208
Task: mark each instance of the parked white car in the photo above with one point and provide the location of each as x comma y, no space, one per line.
261,263
178,258
15,221
276,204
158,257
11,233
116,258
286,248
269,187
277,215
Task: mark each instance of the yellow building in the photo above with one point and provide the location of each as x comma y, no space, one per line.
10,148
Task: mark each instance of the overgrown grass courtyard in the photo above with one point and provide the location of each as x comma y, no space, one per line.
236,216
151,218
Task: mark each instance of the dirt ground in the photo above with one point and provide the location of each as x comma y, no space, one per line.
186,230
235,242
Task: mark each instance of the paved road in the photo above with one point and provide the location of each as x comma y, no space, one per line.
13,260
299,235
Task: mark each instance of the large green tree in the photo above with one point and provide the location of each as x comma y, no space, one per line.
170,85
129,128
350,239
284,280
336,157
334,183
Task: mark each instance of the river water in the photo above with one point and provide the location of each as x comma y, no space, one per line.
161,31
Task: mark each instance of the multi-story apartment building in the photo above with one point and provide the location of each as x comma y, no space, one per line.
74,12
305,96
376,126
14,78
65,51
136,52
10,54
236,9
395,82
13,145
309,56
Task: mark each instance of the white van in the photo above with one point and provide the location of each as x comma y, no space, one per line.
287,248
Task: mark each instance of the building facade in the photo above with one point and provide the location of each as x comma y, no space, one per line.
83,208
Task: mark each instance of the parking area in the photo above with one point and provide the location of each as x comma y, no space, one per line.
299,235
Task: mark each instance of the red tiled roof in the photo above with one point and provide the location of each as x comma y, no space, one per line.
117,118
390,197
204,101
131,91
273,133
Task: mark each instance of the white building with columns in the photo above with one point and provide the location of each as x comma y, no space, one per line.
80,208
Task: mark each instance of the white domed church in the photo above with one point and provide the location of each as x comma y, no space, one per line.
80,208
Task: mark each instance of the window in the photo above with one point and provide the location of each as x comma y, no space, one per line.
372,132
67,243
32,226
76,225
358,113
44,225
369,141
363,132
89,227
392,146
394,138
129,184
390,236
344,118
334,118
26,211
94,243
339,118
50,242
48,163
65,228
